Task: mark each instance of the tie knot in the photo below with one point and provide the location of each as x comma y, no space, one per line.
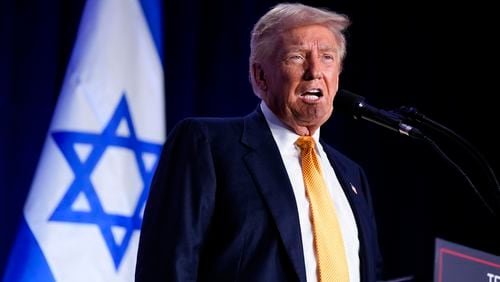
305,142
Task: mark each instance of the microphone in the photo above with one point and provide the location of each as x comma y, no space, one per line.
355,105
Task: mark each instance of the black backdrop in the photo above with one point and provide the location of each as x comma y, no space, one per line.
442,60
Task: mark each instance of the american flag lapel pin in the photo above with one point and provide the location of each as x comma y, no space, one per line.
354,189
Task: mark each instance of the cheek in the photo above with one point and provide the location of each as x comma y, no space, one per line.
333,82
285,83
291,72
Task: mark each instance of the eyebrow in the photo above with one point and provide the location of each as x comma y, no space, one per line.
302,48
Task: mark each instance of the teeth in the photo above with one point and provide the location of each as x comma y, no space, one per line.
310,97
312,94
314,91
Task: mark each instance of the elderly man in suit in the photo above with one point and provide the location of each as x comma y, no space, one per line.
229,200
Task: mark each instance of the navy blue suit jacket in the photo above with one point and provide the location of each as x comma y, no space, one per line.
221,207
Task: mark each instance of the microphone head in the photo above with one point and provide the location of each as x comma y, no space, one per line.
348,103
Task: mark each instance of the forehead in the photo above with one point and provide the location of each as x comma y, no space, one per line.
304,36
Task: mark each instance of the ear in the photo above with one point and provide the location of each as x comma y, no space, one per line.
259,76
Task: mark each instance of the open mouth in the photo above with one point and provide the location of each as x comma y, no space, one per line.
311,95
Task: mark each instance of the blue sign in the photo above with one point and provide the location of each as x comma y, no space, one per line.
457,263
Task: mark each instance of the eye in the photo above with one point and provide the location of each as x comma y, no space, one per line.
295,58
328,57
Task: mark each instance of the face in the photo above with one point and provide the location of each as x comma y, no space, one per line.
301,79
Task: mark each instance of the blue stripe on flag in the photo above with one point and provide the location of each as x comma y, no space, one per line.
153,11
27,262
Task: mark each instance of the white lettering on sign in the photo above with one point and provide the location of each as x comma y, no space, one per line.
493,278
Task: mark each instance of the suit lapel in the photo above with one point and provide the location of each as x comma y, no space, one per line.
266,166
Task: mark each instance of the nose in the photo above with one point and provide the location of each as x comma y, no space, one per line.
312,69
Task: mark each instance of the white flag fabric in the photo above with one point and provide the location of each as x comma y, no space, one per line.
84,210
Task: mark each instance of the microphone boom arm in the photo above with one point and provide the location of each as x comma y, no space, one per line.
354,105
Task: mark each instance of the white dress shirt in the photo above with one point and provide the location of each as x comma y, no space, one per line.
285,139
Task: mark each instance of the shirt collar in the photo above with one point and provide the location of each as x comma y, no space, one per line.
284,137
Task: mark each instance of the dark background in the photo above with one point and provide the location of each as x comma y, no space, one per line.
440,58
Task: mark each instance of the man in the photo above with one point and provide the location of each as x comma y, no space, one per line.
229,201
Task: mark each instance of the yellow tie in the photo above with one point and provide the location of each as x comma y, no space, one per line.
328,243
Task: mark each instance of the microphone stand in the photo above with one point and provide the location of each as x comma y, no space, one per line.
412,115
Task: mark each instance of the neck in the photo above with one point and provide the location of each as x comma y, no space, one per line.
303,130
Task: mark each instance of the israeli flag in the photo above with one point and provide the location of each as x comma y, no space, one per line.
84,211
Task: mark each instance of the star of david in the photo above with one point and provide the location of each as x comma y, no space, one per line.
83,186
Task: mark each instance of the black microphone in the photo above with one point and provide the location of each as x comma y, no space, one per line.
355,105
